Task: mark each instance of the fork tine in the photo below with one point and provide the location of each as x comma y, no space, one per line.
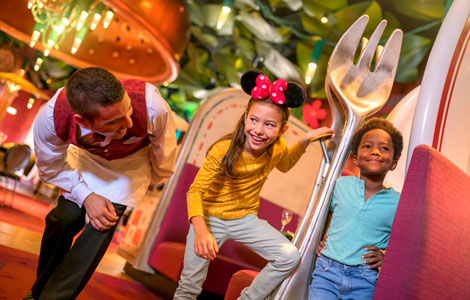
347,45
391,53
366,56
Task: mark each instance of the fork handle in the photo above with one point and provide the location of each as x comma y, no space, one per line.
325,151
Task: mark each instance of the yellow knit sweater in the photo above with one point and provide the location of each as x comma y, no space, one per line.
214,194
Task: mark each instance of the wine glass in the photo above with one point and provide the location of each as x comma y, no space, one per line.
286,217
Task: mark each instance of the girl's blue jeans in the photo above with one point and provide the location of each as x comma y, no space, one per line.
334,280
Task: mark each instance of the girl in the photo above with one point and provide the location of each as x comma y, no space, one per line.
223,200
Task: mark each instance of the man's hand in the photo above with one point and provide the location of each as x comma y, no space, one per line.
100,211
375,257
322,245
205,245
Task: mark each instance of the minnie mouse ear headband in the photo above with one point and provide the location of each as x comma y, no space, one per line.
281,92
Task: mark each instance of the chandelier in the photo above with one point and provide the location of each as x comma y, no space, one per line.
54,19
142,39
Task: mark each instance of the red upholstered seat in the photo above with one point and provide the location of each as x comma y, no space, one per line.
238,282
428,252
168,249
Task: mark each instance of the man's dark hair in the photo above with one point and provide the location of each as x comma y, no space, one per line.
377,123
91,87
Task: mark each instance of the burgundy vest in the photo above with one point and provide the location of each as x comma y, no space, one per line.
135,138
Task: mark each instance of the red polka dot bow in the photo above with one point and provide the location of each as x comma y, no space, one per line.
264,88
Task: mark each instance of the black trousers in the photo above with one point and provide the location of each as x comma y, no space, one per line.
63,269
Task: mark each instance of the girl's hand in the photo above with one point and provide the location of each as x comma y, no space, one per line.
305,140
322,245
205,245
375,257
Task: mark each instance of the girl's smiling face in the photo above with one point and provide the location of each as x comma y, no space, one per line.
263,124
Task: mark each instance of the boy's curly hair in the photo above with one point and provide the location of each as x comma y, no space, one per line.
377,123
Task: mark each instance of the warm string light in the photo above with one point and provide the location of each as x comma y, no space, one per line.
23,67
38,64
31,102
13,87
11,110
81,20
96,16
224,13
108,18
54,21
312,66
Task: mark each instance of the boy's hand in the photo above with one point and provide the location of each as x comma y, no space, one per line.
205,245
305,140
375,257
322,245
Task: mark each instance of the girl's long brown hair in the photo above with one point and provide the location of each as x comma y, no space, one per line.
238,138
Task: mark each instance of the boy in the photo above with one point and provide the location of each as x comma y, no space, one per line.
361,215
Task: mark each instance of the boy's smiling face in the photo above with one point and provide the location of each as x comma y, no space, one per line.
375,154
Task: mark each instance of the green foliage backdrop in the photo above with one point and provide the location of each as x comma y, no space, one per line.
278,37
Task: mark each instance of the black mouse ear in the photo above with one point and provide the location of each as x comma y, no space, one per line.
294,94
248,80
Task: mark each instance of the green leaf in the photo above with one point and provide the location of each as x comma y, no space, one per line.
246,48
242,4
207,39
187,81
297,112
315,7
229,65
210,14
244,31
57,69
3,37
313,25
406,75
195,13
294,5
259,27
285,34
163,91
426,10
197,58
275,62
392,24
57,84
317,86
277,3
178,97
225,66
347,16
414,49
304,53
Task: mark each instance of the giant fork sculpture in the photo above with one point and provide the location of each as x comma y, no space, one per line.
354,92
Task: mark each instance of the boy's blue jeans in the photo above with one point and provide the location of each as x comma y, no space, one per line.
334,280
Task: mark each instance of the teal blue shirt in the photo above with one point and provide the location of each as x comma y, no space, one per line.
357,224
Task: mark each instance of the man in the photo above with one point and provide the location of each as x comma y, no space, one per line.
102,142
